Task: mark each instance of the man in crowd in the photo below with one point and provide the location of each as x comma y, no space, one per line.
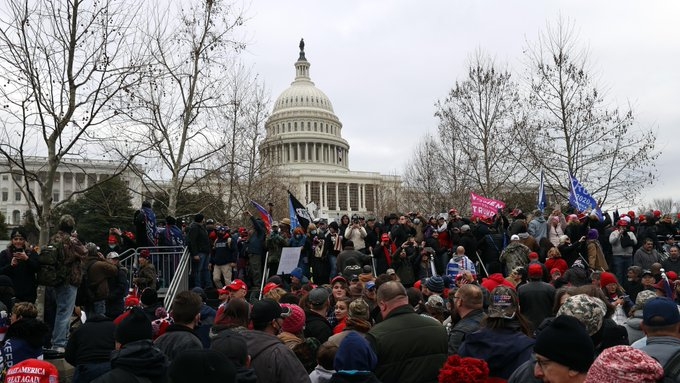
564,351
199,249
468,304
71,254
181,335
536,297
661,324
410,347
272,360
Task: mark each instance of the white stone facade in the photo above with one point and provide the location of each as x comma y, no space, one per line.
72,175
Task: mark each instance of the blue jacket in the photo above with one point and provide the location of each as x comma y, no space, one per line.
256,242
504,350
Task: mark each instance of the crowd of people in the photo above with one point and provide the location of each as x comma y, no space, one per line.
564,298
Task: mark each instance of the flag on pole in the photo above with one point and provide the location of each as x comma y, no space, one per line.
579,196
264,214
542,199
299,216
485,207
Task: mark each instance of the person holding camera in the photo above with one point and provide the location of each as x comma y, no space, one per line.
356,233
623,241
20,263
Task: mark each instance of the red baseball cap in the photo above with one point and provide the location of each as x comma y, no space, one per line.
33,370
237,284
224,290
269,287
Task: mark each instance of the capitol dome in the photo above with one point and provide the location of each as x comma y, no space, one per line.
303,130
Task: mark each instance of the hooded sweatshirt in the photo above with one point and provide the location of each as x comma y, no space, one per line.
354,360
504,350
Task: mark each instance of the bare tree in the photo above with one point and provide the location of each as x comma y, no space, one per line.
476,129
424,188
570,130
63,65
666,205
239,161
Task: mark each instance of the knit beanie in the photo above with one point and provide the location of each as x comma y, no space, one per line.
355,354
358,308
589,310
435,284
624,364
535,271
606,279
294,323
205,366
136,326
33,370
150,297
593,234
566,342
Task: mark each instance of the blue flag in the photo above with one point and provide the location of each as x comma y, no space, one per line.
542,199
579,197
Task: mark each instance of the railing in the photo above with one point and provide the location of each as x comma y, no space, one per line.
180,282
170,261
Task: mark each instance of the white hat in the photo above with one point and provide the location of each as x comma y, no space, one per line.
514,237
112,255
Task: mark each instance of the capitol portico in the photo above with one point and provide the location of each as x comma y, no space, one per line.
304,140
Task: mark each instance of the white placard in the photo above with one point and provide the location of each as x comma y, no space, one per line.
289,259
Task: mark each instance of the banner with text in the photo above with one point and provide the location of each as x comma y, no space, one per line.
484,207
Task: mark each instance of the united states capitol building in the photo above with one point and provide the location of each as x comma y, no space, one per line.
304,139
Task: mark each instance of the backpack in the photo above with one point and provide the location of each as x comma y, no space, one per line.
671,371
49,259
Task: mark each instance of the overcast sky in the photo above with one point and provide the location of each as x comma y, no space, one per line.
384,64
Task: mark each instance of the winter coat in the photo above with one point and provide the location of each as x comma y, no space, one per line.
596,259
22,275
226,250
644,258
92,342
536,299
98,273
356,235
503,349
615,241
136,359
23,341
74,253
515,255
256,242
410,347
538,228
633,327
272,361
146,277
199,242
316,326
465,326
177,338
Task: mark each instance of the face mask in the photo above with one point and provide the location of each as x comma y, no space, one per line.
298,236
313,232
111,246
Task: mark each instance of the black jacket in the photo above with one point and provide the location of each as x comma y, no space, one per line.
136,359
317,326
92,342
22,275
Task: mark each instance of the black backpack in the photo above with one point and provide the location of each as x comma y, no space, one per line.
50,258
671,371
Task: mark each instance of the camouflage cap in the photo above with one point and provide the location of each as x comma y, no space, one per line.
589,310
503,303
643,297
